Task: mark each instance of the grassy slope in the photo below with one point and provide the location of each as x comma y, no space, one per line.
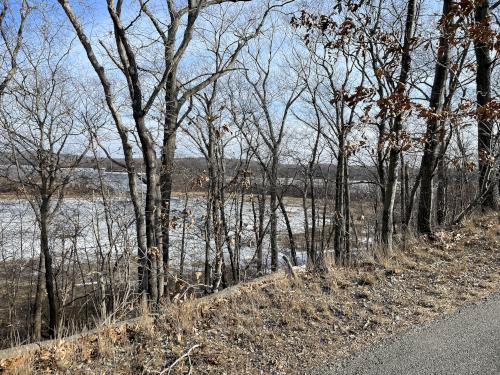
280,325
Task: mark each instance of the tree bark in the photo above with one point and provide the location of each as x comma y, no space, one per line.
261,197
167,169
38,304
485,123
441,188
49,272
208,223
339,238
293,248
273,205
347,213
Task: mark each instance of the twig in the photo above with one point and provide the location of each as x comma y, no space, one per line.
191,286
171,367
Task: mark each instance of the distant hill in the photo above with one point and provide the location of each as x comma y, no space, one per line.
196,165
186,170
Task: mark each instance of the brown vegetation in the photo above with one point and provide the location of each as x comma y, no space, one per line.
277,325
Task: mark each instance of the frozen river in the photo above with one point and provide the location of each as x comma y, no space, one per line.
80,225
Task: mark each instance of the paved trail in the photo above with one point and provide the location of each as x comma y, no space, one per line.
466,343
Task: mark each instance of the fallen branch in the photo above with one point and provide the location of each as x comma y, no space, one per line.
290,270
467,210
478,200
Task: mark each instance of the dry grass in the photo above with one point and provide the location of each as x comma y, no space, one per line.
279,325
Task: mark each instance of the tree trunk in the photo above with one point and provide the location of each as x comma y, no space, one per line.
37,308
403,190
218,238
310,260
102,296
168,154
158,234
237,236
293,249
339,238
347,214
49,272
217,224
140,228
225,227
434,127
485,123
391,178
441,188
260,230
183,238
208,221
273,184
152,200
313,250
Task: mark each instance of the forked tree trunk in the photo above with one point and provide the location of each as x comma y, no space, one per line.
434,123
152,200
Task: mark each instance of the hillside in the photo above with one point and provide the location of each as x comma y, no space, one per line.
284,325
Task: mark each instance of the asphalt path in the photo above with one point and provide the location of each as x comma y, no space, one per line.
465,343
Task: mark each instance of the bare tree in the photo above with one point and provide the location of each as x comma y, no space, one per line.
40,131
269,123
